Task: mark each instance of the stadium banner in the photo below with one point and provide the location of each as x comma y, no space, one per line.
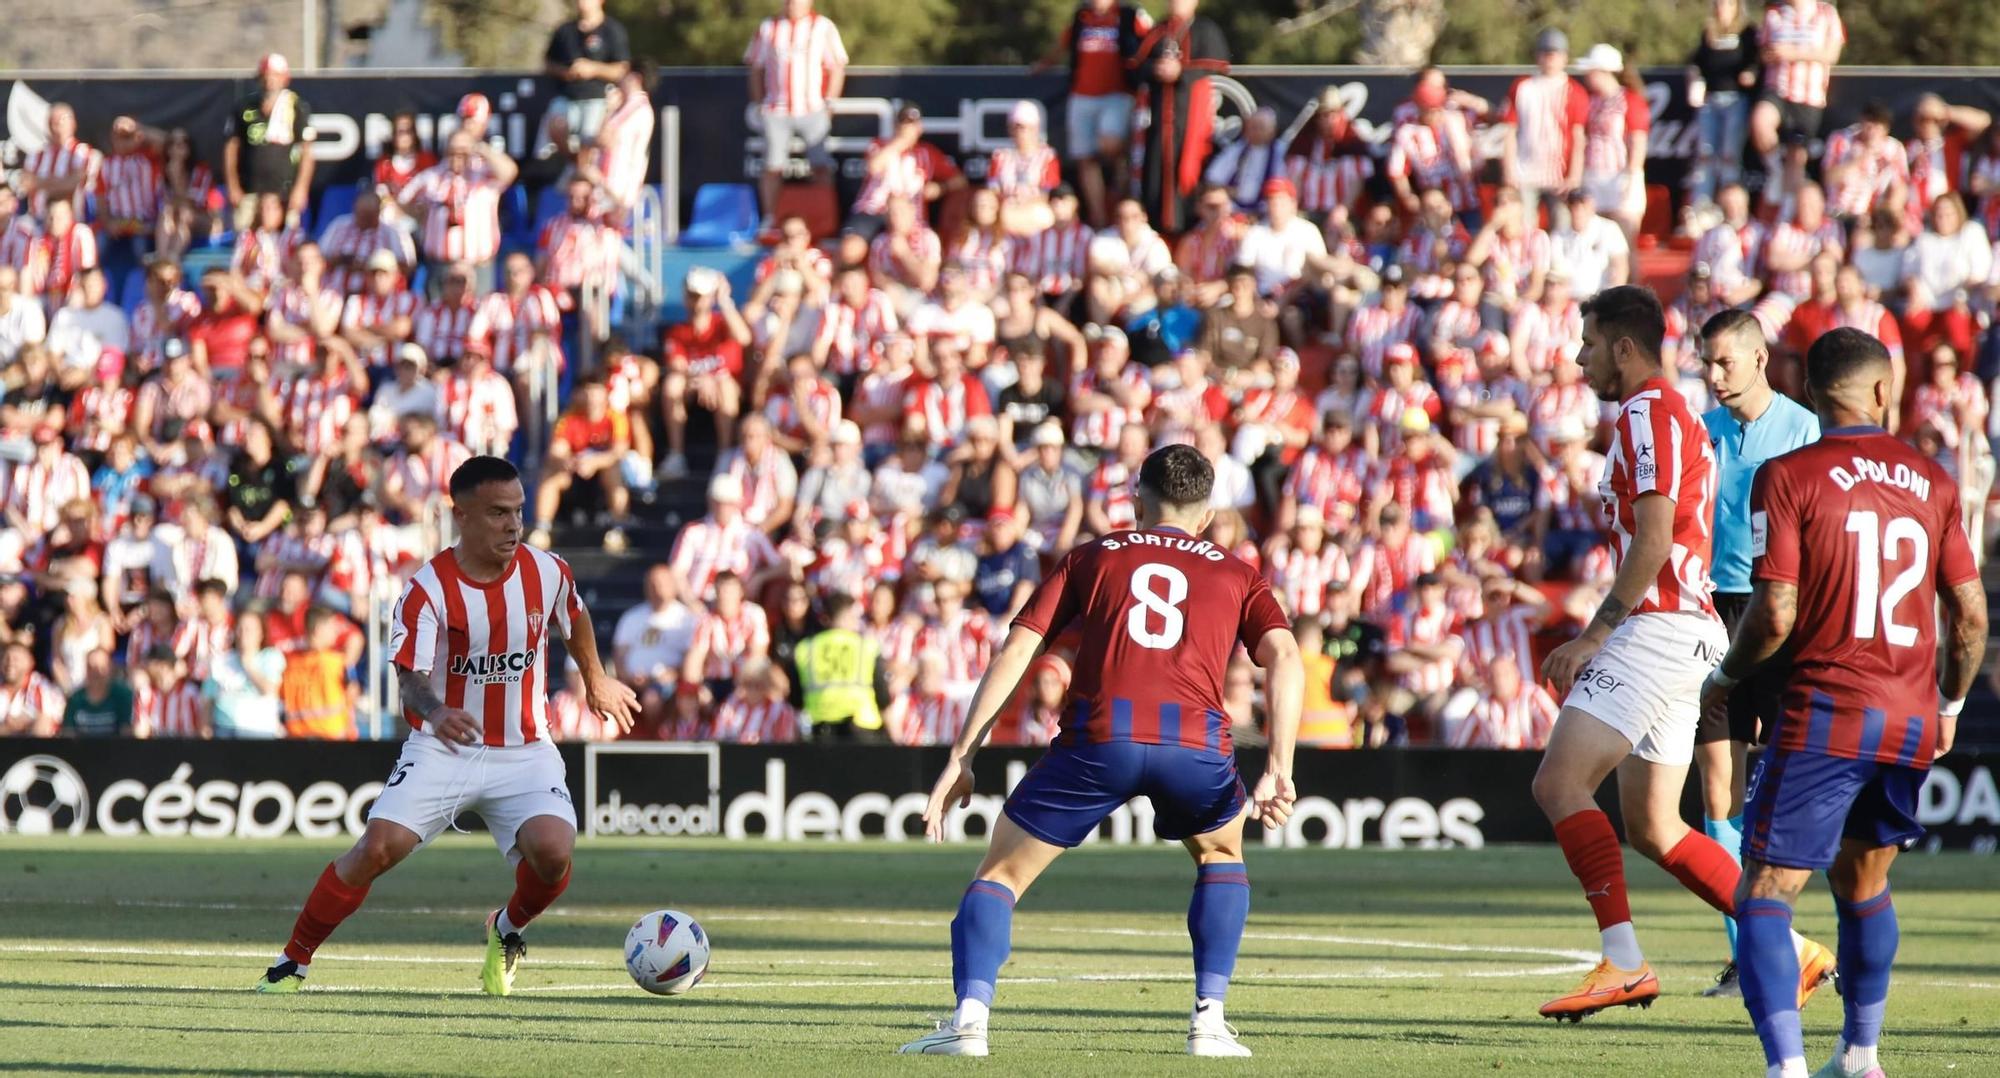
1396,799
965,109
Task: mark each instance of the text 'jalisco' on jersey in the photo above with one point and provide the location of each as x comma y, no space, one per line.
484,645
1659,447
1869,532
1161,613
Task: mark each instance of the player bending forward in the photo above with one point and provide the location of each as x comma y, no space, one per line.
1864,710
1634,677
1162,611
469,647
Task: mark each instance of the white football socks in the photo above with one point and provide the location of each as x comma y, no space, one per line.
503,925
1621,946
1854,1059
970,1012
284,958
1794,1067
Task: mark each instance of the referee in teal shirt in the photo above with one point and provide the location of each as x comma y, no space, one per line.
1752,424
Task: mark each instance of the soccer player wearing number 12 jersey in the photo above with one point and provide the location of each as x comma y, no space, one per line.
1855,539
469,642
1162,612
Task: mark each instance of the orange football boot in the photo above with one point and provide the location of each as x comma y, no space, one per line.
1815,968
1605,986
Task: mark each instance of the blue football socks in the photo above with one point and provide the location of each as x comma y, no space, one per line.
1216,914
981,935
1769,967
1868,938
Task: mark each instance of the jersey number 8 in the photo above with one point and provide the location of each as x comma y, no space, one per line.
1878,546
1167,607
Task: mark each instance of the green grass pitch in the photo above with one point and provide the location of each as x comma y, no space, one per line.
136,957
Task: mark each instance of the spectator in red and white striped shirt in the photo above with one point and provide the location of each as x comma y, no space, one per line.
732,632
419,475
570,718
30,704
1800,41
129,181
1864,166
928,713
458,200
902,167
377,320
577,247
906,257
477,406
1024,173
442,326
56,257
351,239
166,702
1543,118
1329,163
65,169
616,159
1516,713
757,713
797,65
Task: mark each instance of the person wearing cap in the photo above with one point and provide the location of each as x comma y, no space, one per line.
704,365
589,54
266,149
904,166
410,391
1247,165
1423,475
1616,132
458,201
1050,493
1432,150
723,541
1100,43
1593,249
1543,118
1175,62
377,320
828,489
797,41
1389,321
1023,172
1329,162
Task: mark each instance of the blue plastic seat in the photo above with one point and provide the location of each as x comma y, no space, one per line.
725,214
132,293
337,202
515,224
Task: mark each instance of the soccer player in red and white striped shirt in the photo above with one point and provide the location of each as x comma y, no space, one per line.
1801,41
797,65
458,200
63,170
1633,678
468,642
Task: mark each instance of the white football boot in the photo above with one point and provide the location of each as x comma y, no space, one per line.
949,1040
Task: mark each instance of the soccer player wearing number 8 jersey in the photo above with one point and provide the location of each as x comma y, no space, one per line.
468,642
1865,710
1633,678
1162,612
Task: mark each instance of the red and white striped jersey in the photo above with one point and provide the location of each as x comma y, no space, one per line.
625,142
767,482
100,412
625,382
1540,335
1608,128
173,712
1658,447
508,326
55,260
130,186
1382,572
425,477
208,640
822,402
1428,627
1523,722
346,240
1733,252
484,645
854,336
1013,173
143,636
73,158
1545,111
1511,264
1099,430
1426,252
570,719
726,642
1301,577
1110,485
1867,172
1792,241
479,411
896,641
902,174
743,721
38,491
1386,407
705,548
964,639
370,311
1055,258
1553,403
1373,328
316,409
1571,495
945,408
30,702
152,325
924,245
1966,396
1326,479
1454,325
1204,254
879,389
578,249
291,552
17,238
293,305
799,57
1435,157
1803,24
1501,635
983,255
928,718
261,255
1873,319
1425,489
849,569
461,213
441,329
1329,180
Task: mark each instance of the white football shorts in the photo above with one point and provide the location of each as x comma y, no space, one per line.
506,787
1646,682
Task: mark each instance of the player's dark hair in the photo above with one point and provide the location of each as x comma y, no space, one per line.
1632,312
837,604
1839,355
1178,475
1876,112
729,576
211,585
477,472
1730,320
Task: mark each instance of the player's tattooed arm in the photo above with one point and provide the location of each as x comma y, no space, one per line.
1965,638
1767,624
1611,613
418,696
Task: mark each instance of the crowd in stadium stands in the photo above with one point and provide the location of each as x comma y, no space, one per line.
1372,340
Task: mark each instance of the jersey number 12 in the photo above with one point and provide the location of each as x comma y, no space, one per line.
1153,605
1880,545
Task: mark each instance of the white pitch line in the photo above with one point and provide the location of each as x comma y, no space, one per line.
348,956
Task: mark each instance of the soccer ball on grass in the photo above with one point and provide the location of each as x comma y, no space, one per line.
666,952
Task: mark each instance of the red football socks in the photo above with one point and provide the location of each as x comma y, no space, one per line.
1704,867
1591,847
331,902
532,894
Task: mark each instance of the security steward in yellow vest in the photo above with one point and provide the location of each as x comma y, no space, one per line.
838,678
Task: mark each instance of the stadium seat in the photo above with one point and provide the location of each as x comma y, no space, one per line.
725,214
1659,219
816,202
515,224
132,293
338,201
